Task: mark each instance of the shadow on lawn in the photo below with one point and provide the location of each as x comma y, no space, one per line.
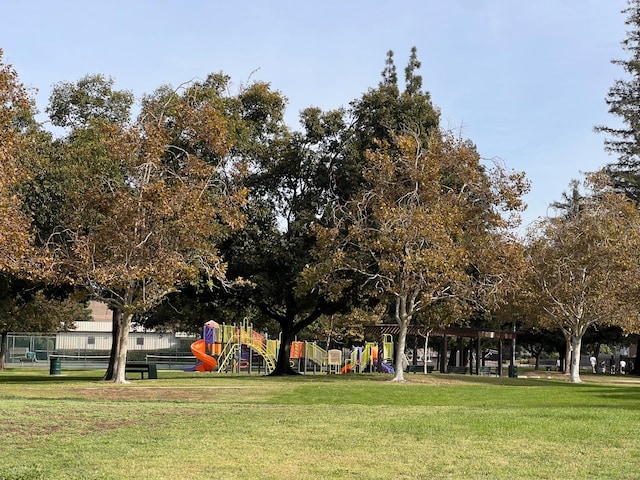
604,391
14,377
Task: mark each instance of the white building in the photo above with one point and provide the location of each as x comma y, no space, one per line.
96,335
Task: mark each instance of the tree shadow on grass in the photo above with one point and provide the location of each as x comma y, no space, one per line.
15,376
603,393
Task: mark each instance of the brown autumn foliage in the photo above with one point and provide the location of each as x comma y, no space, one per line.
427,228
136,235
585,266
15,108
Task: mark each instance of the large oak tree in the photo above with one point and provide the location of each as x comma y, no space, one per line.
149,216
424,229
585,266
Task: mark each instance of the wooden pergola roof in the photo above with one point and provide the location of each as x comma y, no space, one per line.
394,329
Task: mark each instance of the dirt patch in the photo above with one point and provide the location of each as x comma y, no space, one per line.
35,425
169,394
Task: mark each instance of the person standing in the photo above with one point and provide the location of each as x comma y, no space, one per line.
623,365
593,360
613,365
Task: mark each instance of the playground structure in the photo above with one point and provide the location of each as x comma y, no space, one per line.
232,348
365,359
224,348
206,350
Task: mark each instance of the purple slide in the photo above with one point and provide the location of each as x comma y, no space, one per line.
386,368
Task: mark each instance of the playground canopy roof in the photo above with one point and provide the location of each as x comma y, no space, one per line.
394,329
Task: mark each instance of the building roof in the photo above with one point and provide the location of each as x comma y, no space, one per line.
421,330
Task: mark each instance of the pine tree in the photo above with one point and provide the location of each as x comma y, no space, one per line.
623,100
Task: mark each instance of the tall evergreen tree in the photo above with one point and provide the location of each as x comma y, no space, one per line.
623,100
571,202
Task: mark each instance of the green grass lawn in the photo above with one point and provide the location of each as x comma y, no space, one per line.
206,426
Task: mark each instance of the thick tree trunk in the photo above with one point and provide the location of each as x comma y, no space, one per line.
123,346
402,342
283,367
289,329
452,356
115,335
329,332
576,345
4,339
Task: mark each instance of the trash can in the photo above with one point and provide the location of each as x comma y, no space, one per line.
55,365
514,371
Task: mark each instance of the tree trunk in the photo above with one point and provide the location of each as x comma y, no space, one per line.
636,364
567,356
452,356
576,345
115,335
402,342
283,367
123,346
425,356
4,339
329,332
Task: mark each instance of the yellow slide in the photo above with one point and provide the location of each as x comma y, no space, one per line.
207,362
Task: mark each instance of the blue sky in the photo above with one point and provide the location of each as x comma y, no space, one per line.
525,80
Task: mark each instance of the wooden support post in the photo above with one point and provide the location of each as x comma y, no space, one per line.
478,354
443,355
380,354
512,362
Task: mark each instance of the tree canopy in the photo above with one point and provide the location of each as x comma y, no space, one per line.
208,199
159,196
585,267
409,233
15,120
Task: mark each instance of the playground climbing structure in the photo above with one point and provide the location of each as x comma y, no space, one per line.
365,359
233,348
233,338
225,347
307,356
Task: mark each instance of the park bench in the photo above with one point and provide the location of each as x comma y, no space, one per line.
459,370
29,357
492,371
418,369
415,369
142,368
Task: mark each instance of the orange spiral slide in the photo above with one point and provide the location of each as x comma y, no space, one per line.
207,362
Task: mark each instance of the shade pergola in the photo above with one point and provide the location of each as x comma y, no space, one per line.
476,334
